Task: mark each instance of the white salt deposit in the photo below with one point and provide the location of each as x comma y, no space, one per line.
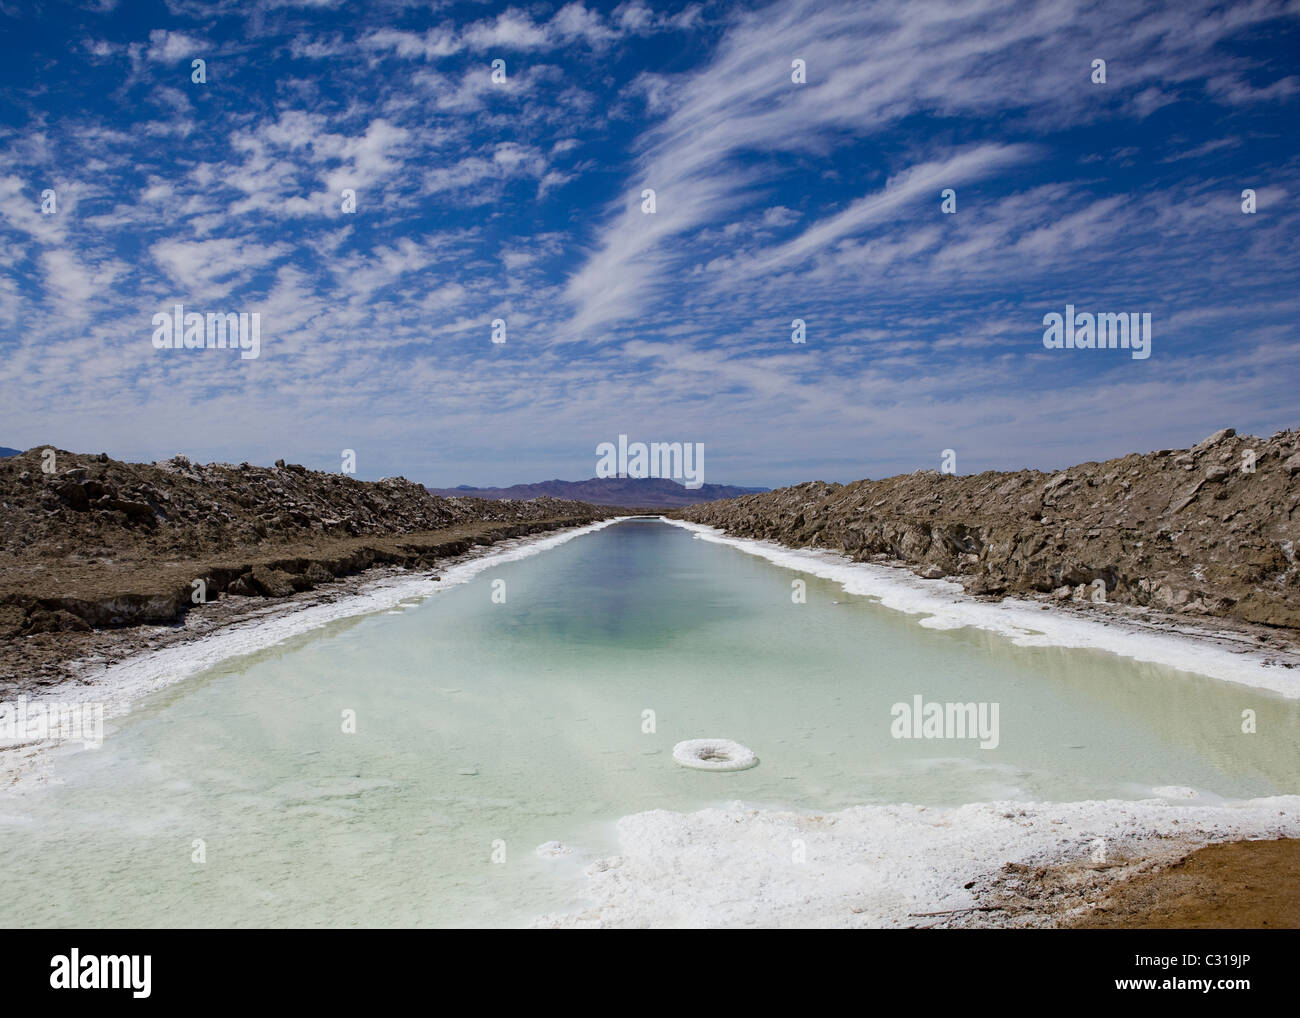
864,866
118,686
944,605
871,866
1175,792
714,755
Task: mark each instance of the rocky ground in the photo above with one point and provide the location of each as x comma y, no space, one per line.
94,549
1238,885
1206,532
1165,883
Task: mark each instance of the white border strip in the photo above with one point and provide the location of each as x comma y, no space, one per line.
120,684
945,605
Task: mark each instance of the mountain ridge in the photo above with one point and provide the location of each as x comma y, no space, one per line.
632,492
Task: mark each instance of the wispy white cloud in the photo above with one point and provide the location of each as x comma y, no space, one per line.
774,201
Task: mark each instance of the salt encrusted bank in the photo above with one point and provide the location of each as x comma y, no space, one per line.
899,865
1203,533
943,605
874,866
110,692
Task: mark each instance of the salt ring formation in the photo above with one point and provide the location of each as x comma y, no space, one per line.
714,755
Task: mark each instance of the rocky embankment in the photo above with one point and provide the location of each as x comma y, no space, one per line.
90,542
1207,531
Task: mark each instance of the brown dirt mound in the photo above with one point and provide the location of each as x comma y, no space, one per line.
1209,531
1240,885
89,542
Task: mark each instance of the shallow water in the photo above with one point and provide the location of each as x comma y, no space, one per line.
486,729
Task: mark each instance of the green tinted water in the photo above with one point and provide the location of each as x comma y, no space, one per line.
486,729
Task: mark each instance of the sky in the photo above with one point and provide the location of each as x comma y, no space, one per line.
521,200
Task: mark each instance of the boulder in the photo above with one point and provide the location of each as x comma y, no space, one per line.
317,574
74,495
272,582
1212,440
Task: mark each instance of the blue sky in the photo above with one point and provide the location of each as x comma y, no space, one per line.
522,201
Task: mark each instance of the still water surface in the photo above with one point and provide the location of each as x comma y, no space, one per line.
522,723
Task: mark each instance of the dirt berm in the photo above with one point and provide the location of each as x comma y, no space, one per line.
1209,531
90,543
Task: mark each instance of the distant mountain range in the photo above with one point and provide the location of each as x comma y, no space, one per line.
628,492
6,451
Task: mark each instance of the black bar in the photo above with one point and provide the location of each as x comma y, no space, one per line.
1062,967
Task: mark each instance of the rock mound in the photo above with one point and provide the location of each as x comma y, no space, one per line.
1211,530
90,541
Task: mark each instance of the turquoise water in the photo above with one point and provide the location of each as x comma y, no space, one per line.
482,724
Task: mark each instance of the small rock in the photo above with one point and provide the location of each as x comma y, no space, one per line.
242,586
1214,439
317,573
931,572
56,621
75,495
